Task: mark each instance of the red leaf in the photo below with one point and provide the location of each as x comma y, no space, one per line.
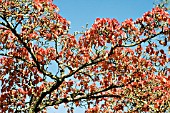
162,51
120,42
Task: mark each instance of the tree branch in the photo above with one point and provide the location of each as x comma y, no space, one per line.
146,39
68,99
58,81
30,51
43,94
83,66
80,96
17,57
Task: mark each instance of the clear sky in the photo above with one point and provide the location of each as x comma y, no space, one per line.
81,12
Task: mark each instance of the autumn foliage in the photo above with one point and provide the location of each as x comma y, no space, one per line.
111,67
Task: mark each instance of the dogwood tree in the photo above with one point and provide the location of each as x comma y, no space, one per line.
111,67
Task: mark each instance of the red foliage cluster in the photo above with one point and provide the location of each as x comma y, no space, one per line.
112,67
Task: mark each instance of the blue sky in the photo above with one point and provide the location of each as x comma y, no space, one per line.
81,12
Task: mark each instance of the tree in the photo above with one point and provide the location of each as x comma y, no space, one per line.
111,67
163,3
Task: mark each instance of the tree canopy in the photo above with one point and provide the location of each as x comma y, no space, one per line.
110,67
